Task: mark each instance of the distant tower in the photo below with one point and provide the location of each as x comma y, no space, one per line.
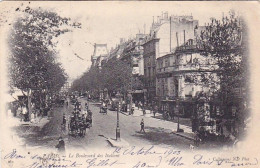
100,52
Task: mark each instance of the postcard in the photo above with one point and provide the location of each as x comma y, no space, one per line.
140,84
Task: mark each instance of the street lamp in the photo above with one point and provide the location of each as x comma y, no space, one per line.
118,95
178,111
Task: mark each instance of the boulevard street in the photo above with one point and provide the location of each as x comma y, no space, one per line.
158,132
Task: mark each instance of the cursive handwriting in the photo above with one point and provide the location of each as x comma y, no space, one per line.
175,161
101,162
170,151
134,151
169,157
199,160
53,165
232,162
140,164
14,155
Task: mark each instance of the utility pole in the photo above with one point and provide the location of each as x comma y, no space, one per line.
184,37
29,93
177,108
117,117
177,39
131,85
170,33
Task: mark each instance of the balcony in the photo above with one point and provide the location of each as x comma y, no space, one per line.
188,48
186,67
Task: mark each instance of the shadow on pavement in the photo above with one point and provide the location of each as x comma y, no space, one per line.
161,136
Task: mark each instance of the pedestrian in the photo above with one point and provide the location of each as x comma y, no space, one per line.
196,139
61,145
155,110
64,120
144,111
132,110
24,112
139,105
142,126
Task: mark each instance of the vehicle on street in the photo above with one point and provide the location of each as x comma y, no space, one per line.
114,104
103,107
103,110
78,124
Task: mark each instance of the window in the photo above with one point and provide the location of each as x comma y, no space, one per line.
189,58
166,62
190,42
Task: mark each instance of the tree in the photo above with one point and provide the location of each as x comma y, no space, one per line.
116,75
226,41
32,62
90,80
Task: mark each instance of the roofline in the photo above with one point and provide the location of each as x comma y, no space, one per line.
150,41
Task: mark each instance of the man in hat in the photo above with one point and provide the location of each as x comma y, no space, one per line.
142,126
64,119
61,145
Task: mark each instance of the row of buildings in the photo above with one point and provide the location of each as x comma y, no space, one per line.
177,76
168,59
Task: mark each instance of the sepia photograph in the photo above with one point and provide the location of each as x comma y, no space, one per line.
129,84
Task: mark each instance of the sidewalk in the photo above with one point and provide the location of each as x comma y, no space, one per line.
139,112
19,128
37,122
185,124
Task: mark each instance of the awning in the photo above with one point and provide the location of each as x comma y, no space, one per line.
136,91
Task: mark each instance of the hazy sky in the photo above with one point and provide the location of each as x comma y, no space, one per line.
107,22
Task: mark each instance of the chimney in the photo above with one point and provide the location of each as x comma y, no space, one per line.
166,15
122,40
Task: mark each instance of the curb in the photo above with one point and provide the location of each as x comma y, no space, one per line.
122,143
184,136
124,113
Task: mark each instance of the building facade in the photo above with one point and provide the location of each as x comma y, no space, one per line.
133,55
100,53
179,76
151,52
166,34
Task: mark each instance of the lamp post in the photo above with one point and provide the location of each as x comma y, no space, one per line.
178,112
177,109
117,117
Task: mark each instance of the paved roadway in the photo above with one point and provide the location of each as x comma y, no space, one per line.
158,132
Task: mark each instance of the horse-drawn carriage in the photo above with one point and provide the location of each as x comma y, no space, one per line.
103,107
79,123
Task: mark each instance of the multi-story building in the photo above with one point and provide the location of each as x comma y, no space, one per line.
151,51
100,53
166,34
66,87
118,50
179,74
133,55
